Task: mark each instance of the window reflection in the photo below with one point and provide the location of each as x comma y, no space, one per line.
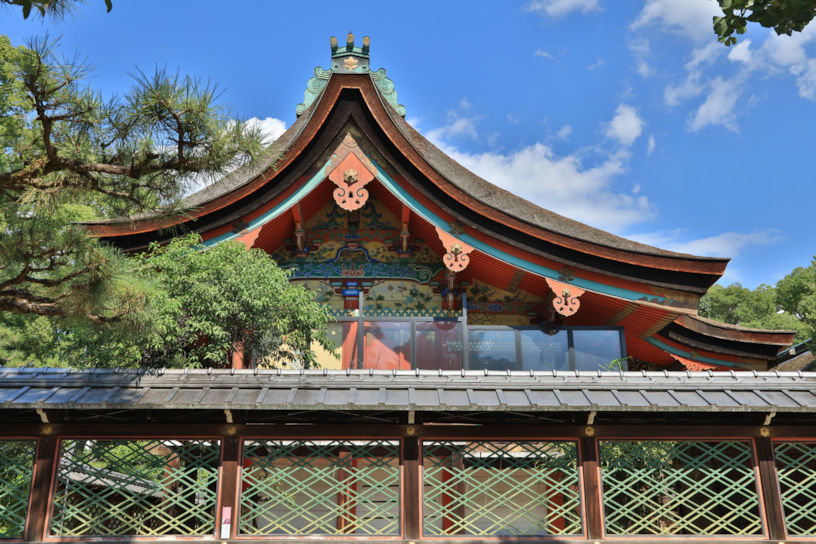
596,349
439,345
492,349
542,351
387,345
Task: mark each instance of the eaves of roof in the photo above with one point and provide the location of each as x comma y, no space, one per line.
361,390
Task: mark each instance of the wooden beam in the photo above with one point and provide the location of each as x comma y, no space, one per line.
412,488
229,480
42,482
591,479
769,485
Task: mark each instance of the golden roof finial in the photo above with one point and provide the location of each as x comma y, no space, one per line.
350,41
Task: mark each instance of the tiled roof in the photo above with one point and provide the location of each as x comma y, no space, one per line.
408,390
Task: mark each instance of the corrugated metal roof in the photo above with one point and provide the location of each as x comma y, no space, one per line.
408,390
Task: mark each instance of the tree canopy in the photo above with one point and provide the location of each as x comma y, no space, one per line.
784,16
789,305
202,303
69,154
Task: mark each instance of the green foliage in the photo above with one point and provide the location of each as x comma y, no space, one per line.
201,303
790,305
70,155
227,294
784,16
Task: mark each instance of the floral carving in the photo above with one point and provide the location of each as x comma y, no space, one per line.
456,258
565,300
351,176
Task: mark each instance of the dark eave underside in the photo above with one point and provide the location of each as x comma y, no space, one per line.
350,107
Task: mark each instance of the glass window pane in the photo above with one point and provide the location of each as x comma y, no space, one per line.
344,336
596,349
439,345
492,349
387,345
542,351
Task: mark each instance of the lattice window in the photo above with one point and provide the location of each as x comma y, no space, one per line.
329,487
136,487
685,487
491,488
796,470
16,467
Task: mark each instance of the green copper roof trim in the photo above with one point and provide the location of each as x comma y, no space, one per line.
435,220
316,85
429,216
689,355
386,88
314,88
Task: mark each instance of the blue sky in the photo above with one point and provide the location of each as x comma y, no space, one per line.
625,114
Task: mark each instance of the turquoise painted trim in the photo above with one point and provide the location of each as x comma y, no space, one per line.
429,216
435,220
271,214
688,355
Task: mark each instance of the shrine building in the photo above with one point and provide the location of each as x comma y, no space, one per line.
502,373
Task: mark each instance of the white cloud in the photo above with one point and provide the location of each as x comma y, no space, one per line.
718,107
270,127
741,52
562,183
564,132
726,244
558,8
597,64
694,85
457,126
626,126
788,52
543,54
650,146
690,18
513,119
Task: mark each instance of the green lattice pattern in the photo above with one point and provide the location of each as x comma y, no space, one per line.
144,487
16,467
330,487
490,488
796,470
684,487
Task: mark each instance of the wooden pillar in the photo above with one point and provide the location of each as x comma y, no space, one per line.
230,476
591,476
771,498
42,482
347,493
237,355
411,505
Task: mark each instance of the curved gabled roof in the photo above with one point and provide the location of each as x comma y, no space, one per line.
455,188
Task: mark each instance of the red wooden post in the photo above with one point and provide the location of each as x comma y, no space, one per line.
44,463
590,473
771,498
228,496
411,501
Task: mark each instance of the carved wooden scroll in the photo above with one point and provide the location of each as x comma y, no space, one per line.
566,300
456,258
351,176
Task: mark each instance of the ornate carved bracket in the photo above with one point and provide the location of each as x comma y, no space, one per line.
456,258
351,176
566,300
